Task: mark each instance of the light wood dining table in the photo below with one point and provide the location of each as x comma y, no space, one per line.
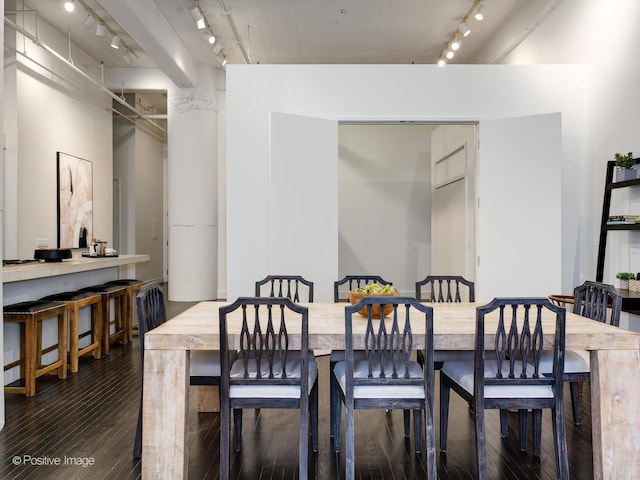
615,378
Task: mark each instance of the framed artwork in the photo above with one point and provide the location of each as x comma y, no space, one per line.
75,201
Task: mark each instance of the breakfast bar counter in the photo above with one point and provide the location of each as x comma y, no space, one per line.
77,264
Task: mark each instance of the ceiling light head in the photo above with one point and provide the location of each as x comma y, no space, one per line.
480,12
101,30
441,62
70,5
210,38
455,44
464,29
127,57
216,48
89,21
201,24
449,54
115,42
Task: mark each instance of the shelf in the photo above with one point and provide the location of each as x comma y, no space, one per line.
623,226
626,183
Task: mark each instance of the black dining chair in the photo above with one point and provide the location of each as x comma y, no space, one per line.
387,378
292,287
204,365
445,289
268,371
600,302
505,374
341,289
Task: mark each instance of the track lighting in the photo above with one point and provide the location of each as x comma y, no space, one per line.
115,42
216,48
441,62
197,15
127,58
209,38
89,21
462,29
101,30
70,5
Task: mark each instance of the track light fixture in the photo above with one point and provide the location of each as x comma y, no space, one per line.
197,15
127,57
101,30
209,37
115,42
89,21
217,48
463,29
70,5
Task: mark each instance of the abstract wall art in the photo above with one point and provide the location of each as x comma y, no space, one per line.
75,201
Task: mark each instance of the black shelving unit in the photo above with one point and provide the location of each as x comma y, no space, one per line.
630,300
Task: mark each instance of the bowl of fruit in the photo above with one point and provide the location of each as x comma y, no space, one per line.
373,290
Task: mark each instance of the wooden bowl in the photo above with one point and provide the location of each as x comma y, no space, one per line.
375,309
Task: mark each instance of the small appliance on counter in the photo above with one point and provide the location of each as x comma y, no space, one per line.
98,248
52,254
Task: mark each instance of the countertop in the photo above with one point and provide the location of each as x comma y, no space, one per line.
30,271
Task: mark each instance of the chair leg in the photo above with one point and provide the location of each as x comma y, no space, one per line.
333,398
575,402
417,428
314,417
137,444
237,428
349,439
225,431
523,428
481,447
303,437
406,414
537,432
504,422
445,393
337,422
560,440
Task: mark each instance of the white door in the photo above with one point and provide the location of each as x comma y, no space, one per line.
303,196
519,207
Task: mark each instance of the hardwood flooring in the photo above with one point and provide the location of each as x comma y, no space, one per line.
87,424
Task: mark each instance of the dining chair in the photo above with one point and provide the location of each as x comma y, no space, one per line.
289,286
204,365
268,371
445,289
597,301
341,295
506,374
387,378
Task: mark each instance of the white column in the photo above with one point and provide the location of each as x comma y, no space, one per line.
192,190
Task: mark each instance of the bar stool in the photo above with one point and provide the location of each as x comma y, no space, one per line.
117,293
133,287
75,302
30,316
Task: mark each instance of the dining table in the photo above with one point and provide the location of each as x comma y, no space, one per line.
615,377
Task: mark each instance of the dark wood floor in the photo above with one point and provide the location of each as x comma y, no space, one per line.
91,417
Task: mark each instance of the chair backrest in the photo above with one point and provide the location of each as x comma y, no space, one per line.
445,288
598,301
352,282
151,310
264,345
289,286
389,341
515,326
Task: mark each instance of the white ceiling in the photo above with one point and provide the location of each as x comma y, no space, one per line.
162,33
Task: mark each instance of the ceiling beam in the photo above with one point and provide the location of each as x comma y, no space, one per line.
145,24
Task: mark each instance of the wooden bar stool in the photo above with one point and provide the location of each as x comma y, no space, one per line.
133,287
30,316
75,302
117,293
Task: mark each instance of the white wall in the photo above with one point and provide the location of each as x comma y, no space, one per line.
375,93
384,202
605,36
